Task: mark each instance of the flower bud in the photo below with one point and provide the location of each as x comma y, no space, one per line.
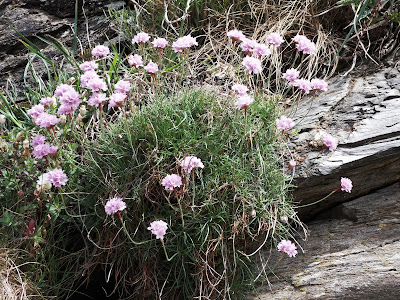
25,144
63,119
284,219
19,136
82,110
2,119
292,164
253,213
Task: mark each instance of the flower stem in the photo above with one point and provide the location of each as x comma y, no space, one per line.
126,231
320,200
165,251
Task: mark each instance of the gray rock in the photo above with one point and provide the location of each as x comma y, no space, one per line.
352,253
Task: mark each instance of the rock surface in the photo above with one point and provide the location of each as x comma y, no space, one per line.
363,112
352,253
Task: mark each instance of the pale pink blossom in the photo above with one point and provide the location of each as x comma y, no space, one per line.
248,45
243,101
291,75
304,44
48,101
292,164
330,142
96,99
100,51
97,84
70,101
122,86
183,43
158,228
116,99
261,49
62,88
57,177
85,79
240,89
36,110
42,150
45,120
38,139
141,37
303,84
284,123
235,35
287,247
151,68
160,43
171,181
275,39
66,109
135,60
114,205
346,184
88,66
319,84
252,64
191,162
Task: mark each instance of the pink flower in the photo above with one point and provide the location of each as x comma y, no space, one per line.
63,88
346,184
45,120
160,43
151,68
70,101
330,142
291,75
47,101
304,44
57,177
284,123
171,181
303,84
141,37
252,64
183,43
275,38
42,150
235,35
244,101
319,84
135,60
288,247
248,45
36,110
88,66
100,51
158,228
96,99
97,84
122,86
38,140
66,109
292,164
191,162
116,99
86,78
240,89
114,205
261,49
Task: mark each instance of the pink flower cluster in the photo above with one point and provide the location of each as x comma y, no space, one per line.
287,247
100,51
48,101
116,99
57,177
160,43
114,205
291,75
191,162
69,99
184,43
151,68
135,60
330,142
96,99
304,44
140,38
122,87
252,64
88,66
42,150
158,228
38,140
284,123
240,89
251,46
275,39
91,80
45,120
244,101
346,184
171,181
236,35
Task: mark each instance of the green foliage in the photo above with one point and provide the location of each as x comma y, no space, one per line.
216,217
